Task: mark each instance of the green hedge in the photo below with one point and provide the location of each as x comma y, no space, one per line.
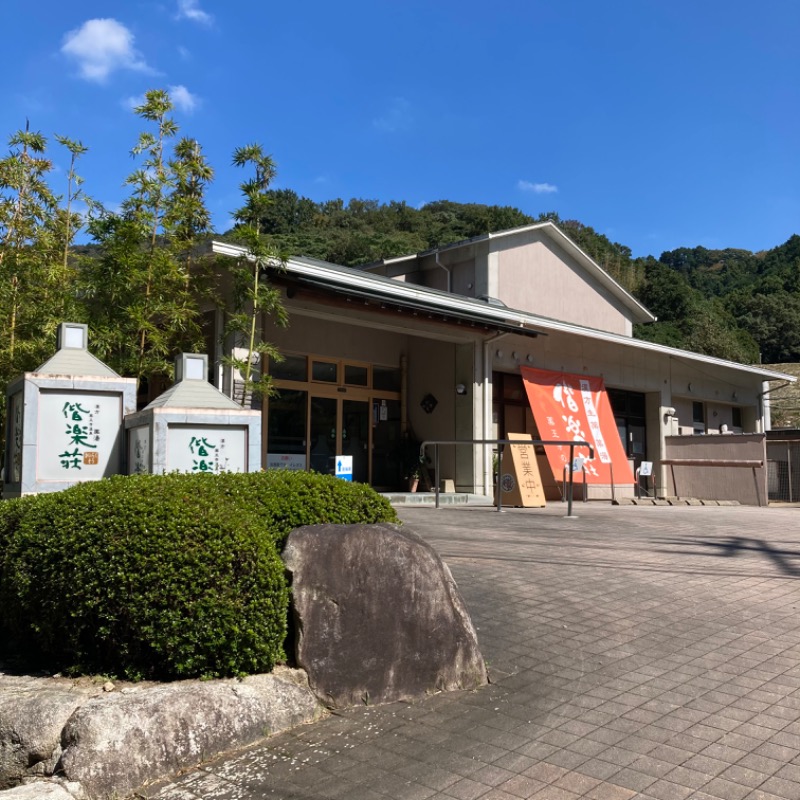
162,577
285,500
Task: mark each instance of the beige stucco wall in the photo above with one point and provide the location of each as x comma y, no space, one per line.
432,370
541,278
748,485
338,340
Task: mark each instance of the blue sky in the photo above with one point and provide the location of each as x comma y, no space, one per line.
660,124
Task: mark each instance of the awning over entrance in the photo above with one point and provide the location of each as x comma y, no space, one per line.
576,407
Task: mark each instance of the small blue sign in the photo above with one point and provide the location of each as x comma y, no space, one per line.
344,467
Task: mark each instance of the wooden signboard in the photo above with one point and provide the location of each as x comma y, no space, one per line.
520,481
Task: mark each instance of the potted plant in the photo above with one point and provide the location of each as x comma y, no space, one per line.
412,464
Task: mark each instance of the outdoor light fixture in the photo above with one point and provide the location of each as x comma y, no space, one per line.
499,353
461,389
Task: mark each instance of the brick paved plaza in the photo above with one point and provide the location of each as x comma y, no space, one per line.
634,653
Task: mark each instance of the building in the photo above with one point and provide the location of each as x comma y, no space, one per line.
457,343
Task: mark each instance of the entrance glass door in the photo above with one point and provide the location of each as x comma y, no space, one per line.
323,435
339,427
355,437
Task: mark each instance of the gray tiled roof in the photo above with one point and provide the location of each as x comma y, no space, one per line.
193,394
74,361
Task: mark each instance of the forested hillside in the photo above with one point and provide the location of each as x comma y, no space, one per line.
728,303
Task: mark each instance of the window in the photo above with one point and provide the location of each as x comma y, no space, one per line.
324,371
698,413
736,417
386,379
292,368
355,375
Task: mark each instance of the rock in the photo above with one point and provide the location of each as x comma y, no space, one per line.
378,616
32,717
115,743
108,686
45,790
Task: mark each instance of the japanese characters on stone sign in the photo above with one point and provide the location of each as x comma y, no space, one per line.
207,449
576,408
77,435
205,455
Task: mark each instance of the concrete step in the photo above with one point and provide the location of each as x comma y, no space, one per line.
672,501
445,498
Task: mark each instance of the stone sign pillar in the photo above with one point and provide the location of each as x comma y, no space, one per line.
65,420
193,427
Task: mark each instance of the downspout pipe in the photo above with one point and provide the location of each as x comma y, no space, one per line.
447,269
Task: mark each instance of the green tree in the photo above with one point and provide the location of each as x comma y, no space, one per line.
36,234
138,292
773,321
254,297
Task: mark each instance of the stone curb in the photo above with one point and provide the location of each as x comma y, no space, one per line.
110,744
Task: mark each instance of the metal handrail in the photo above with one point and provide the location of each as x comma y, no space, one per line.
557,442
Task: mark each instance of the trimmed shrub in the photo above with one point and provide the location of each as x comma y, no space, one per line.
162,577
285,500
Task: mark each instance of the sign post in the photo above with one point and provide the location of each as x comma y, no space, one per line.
344,467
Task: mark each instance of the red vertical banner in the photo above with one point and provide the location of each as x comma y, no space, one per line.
576,408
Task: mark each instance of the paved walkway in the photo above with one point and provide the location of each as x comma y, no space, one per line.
634,652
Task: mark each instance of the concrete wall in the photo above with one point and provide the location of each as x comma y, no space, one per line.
432,370
748,485
541,278
338,340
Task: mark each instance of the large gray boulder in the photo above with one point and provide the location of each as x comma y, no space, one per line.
378,616
116,743
32,716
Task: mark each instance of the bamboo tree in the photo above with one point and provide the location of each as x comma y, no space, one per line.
254,297
139,294
37,287
26,206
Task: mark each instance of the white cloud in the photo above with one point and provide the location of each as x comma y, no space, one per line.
190,9
100,47
184,53
183,99
536,188
133,102
398,117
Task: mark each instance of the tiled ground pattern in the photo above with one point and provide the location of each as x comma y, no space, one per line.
635,653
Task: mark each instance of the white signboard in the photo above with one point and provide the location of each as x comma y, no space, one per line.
344,467
77,438
139,450
206,448
293,461
646,468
